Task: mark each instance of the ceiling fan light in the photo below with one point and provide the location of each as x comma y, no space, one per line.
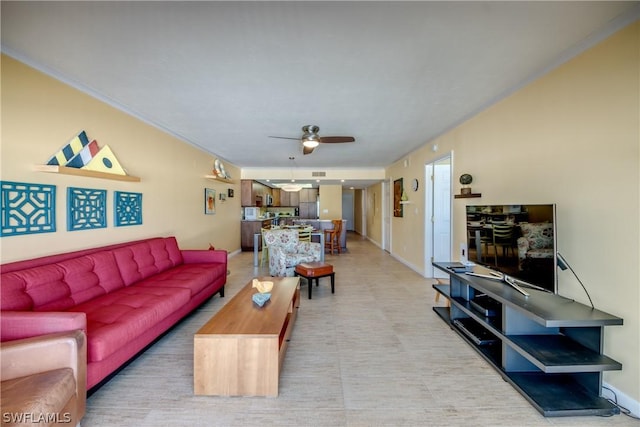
311,142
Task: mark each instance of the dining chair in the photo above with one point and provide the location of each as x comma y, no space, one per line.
264,254
332,236
503,238
304,234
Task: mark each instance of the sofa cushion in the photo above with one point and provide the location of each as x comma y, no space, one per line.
38,395
62,285
141,260
194,277
39,288
116,319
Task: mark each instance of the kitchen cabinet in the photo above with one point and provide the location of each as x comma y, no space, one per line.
248,228
308,210
246,193
285,199
252,193
308,195
294,199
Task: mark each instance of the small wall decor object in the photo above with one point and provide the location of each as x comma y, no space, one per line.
83,158
27,208
223,197
209,201
465,180
68,151
86,208
105,161
465,191
230,192
219,171
127,208
397,198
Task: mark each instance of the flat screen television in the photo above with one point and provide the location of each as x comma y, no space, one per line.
516,240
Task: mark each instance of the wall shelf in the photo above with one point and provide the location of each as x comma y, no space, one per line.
84,172
467,196
216,178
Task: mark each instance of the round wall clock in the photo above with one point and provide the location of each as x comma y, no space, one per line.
414,185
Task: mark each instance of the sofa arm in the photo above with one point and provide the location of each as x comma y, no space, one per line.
21,358
309,248
24,324
523,247
277,261
195,256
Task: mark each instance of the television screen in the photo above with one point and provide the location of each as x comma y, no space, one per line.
517,240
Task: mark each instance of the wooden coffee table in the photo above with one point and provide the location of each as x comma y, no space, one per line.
240,350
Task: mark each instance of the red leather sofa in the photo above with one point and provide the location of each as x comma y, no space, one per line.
122,296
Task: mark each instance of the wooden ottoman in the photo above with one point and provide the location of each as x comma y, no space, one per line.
315,270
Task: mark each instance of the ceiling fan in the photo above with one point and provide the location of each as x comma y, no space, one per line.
310,138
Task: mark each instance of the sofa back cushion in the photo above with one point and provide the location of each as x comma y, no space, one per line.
285,238
62,285
141,260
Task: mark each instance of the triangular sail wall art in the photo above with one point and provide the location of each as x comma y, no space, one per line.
79,153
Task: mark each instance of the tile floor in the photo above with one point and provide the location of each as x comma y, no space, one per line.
372,354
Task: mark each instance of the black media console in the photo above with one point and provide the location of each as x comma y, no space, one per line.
547,346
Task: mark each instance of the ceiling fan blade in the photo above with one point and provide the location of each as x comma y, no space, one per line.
307,150
285,137
336,139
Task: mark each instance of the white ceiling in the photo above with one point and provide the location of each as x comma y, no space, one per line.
226,75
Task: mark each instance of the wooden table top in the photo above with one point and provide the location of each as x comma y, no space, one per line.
241,316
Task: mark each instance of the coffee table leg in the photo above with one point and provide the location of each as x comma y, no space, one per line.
333,284
309,285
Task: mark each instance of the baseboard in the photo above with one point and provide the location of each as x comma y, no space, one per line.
374,242
408,264
234,253
621,399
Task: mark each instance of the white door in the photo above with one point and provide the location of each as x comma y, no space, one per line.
442,210
438,218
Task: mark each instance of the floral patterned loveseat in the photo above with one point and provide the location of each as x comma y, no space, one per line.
285,251
536,243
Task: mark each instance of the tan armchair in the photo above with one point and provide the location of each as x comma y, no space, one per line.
44,380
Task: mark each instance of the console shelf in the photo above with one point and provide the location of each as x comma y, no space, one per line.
547,346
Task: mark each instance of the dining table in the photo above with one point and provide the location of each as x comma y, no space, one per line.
256,244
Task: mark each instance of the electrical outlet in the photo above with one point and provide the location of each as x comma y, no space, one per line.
463,252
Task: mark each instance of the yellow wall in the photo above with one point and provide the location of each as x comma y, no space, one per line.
572,137
330,197
40,114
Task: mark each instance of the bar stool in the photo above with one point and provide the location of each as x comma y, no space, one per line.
332,236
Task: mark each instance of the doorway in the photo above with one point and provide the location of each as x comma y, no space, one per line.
438,218
348,209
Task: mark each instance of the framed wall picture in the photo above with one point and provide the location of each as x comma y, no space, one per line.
230,192
397,198
209,201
